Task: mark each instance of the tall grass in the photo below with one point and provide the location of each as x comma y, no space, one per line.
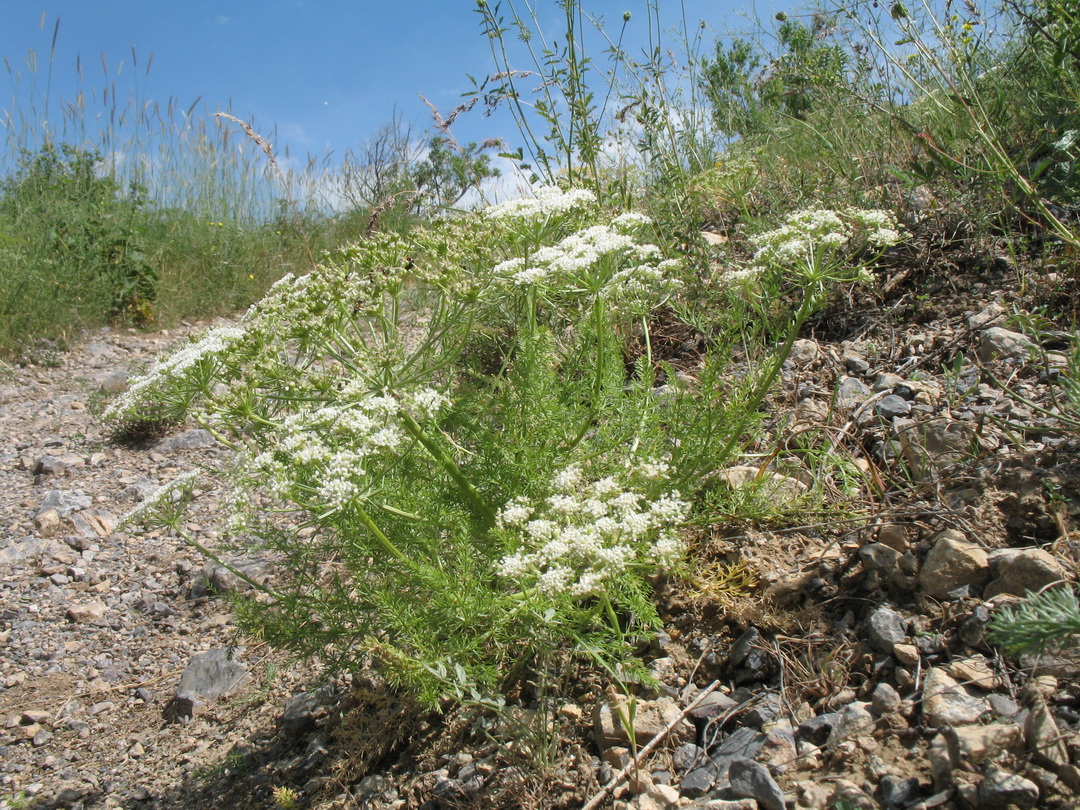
105,189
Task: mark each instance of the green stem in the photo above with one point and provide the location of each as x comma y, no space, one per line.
443,458
384,541
206,552
763,387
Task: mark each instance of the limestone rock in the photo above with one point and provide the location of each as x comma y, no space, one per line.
1025,571
946,703
953,563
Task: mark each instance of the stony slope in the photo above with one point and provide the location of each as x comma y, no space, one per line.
856,669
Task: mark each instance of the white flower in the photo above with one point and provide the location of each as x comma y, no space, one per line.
173,367
574,543
530,275
545,202
567,479
428,401
514,513
554,580
159,497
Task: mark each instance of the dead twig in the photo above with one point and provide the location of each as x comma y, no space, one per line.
635,763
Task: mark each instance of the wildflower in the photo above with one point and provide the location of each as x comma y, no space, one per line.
587,533
174,366
545,202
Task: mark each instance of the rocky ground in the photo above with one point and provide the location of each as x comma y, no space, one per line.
823,663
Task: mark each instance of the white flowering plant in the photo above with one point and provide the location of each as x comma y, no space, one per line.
395,408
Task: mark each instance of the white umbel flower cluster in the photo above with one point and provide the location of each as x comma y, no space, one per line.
545,202
172,367
822,231
324,451
587,532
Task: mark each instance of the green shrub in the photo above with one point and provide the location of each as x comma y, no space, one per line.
74,241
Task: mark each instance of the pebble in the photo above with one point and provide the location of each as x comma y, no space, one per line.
750,780
886,628
1001,789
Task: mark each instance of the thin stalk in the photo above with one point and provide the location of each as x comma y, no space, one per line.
450,467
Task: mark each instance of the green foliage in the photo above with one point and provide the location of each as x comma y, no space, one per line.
446,174
73,240
751,90
477,469
1047,620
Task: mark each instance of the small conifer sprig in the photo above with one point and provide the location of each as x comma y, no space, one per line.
1045,621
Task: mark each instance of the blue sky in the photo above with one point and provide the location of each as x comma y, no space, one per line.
327,73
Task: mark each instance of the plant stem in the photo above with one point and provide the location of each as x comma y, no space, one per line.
443,458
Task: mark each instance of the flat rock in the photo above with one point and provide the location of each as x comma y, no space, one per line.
64,503
946,703
212,674
87,612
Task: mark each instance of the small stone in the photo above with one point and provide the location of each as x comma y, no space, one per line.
40,738
946,703
571,712
115,382
698,782
751,780
1043,737
891,406
897,792
886,629
974,745
804,352
713,705
85,613
851,721
302,711
817,729
208,676
137,751
1024,572
973,671
906,654
650,718
998,342
194,439
885,699
742,646
986,316
894,536
1000,789
688,756
879,557
664,795
953,563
